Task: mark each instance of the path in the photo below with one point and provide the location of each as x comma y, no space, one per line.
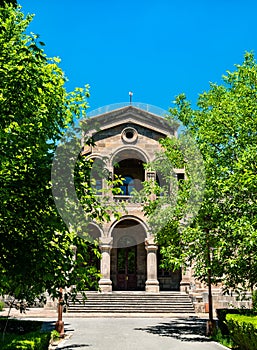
136,334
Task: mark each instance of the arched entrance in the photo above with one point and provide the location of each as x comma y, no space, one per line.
127,264
128,256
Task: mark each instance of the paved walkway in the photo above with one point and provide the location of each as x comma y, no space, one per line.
136,334
127,333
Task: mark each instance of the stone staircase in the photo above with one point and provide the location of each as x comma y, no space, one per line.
133,303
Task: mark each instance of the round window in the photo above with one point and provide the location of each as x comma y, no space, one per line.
129,135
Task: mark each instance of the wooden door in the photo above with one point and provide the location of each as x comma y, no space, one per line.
127,268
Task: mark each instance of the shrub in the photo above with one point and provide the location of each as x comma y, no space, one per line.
243,330
55,335
254,300
29,341
1,305
223,339
222,313
23,335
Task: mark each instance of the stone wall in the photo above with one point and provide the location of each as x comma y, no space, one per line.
220,301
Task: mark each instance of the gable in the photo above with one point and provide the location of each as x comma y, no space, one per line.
118,129
148,123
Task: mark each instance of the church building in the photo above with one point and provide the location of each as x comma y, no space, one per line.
125,139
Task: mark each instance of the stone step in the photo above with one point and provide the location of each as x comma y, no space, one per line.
129,302
131,307
145,300
134,311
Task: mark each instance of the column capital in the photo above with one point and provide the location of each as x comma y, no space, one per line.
105,243
150,244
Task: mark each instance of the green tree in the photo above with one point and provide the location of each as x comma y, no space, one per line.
223,236
36,248
11,2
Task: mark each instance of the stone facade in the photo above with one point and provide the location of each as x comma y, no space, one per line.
125,139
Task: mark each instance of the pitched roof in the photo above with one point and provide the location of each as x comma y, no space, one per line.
130,114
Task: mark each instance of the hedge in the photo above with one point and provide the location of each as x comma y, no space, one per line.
243,330
222,313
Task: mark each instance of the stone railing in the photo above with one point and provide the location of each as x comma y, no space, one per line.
123,198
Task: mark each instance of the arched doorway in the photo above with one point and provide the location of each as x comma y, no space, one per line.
128,256
127,264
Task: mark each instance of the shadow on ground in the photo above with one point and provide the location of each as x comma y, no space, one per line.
48,326
190,329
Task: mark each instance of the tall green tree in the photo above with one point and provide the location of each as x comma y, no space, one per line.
36,248
223,235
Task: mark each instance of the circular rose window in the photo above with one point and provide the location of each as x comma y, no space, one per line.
129,135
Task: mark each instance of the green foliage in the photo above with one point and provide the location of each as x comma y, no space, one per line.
254,300
55,335
222,314
1,305
23,334
29,341
243,330
96,202
222,339
11,2
224,127
171,203
36,248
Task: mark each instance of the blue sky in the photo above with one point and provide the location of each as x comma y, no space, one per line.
157,49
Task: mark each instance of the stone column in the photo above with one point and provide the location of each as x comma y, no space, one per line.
185,281
105,245
152,284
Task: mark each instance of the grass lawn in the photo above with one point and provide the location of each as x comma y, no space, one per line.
25,335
